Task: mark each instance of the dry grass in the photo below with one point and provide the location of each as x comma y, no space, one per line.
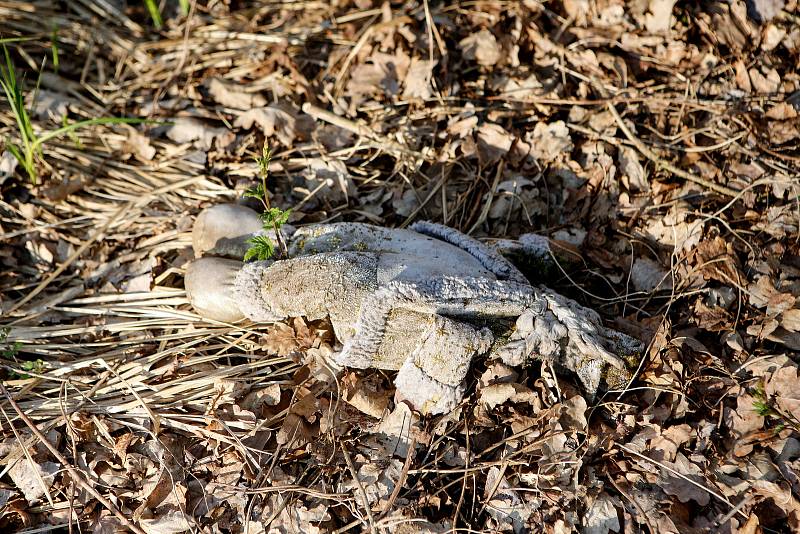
132,387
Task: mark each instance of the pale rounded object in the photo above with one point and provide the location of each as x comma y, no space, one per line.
209,288
223,230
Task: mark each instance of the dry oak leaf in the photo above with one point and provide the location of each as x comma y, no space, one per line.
549,140
296,432
301,424
366,394
505,505
280,339
732,27
328,180
278,120
790,320
715,259
772,37
764,10
659,19
171,522
289,516
669,441
493,142
672,230
779,221
395,430
417,83
764,295
231,95
743,421
768,81
782,111
648,275
682,486
51,105
33,478
380,74
8,163
784,386
461,127
497,394
632,169
188,129
378,481
783,499
601,517
513,195
578,10
481,47
139,145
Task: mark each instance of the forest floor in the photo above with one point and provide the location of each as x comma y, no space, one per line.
657,140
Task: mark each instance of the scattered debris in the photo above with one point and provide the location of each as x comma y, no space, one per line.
654,142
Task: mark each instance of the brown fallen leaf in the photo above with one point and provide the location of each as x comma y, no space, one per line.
602,516
660,18
276,120
33,478
326,180
380,75
232,95
481,46
366,394
494,142
417,83
782,497
688,484
742,421
139,145
549,140
169,522
764,10
204,136
784,386
648,275
764,295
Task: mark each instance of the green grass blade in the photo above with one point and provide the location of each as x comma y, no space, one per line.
11,40
54,48
89,122
30,169
155,13
8,80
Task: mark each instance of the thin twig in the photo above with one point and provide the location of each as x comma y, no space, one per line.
354,127
75,474
683,477
401,480
360,487
660,163
69,261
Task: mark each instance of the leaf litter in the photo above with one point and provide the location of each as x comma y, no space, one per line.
654,142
